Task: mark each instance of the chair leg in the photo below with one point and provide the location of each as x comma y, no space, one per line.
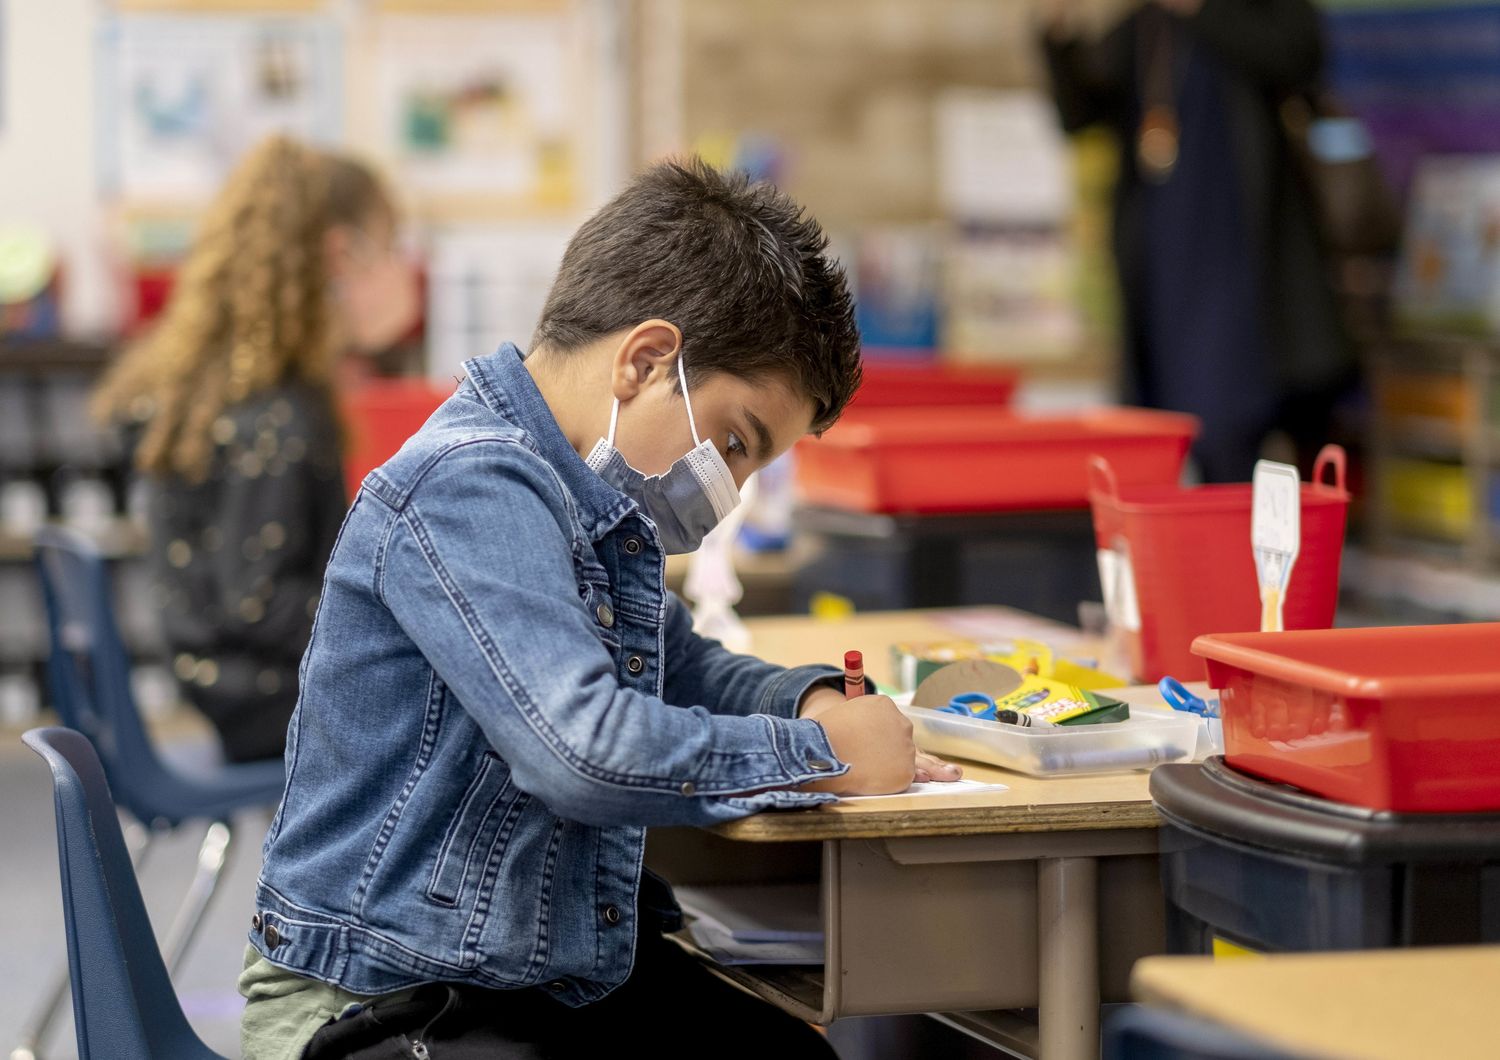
138,842
212,854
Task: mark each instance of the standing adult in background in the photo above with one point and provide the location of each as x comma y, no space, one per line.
1228,307
230,404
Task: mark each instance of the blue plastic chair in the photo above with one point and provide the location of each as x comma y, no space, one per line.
124,1007
1139,1032
88,672
88,675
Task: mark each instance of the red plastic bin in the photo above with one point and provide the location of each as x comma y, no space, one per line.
1187,557
973,459
888,385
381,415
1405,718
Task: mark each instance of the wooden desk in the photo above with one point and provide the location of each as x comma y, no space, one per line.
1041,896
1375,1004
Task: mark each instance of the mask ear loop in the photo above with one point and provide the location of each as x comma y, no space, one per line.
682,376
614,421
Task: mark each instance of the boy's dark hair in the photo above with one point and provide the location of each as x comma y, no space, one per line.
740,268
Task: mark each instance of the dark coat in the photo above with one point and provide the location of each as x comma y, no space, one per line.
1265,50
237,562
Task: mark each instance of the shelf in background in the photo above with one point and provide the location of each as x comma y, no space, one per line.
1015,1030
798,989
36,356
1434,577
1430,439
122,539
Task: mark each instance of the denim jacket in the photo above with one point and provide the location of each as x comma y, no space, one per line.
499,697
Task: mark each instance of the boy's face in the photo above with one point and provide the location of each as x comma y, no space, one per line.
751,423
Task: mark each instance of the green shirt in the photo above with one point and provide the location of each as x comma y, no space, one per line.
284,1010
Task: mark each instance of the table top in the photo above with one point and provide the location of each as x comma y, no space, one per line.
1030,804
1374,1004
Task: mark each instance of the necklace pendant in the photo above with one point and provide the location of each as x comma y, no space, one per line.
1156,144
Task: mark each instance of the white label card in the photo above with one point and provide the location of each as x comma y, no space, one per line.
1275,535
1117,579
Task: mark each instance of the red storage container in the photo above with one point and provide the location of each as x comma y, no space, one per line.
984,459
381,414
1182,563
888,385
1405,718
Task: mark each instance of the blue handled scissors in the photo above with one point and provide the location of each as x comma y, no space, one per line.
971,705
1179,698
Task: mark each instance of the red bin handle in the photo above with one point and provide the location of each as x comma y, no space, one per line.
1330,456
1102,478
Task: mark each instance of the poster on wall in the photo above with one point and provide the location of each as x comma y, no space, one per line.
182,97
480,110
486,284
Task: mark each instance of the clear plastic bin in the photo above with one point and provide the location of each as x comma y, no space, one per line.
1149,738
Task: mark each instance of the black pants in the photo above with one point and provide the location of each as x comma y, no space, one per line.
670,1007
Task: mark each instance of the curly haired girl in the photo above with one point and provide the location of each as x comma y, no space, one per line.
230,402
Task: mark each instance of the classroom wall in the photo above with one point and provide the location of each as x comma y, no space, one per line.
48,142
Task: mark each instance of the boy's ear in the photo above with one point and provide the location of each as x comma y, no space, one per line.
647,355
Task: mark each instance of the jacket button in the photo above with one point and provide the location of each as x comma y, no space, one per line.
633,546
635,664
689,788
820,765
611,915
606,615
255,923
273,937
557,986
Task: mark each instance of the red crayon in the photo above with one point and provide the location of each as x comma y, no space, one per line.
854,674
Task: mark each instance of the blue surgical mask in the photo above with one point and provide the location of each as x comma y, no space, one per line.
685,502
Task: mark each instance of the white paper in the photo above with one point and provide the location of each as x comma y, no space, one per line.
1002,157
934,787
724,949
1117,578
1275,535
773,912
777,923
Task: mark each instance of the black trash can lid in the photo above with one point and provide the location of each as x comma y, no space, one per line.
1215,799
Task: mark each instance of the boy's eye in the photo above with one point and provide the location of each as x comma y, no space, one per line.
735,445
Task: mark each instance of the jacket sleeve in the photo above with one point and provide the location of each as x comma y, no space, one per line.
478,571
1089,79
701,670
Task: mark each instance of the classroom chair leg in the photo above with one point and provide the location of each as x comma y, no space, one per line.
138,842
211,857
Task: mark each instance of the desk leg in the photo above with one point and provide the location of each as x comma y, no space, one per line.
1068,957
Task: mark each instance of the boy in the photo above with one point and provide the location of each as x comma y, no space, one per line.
499,696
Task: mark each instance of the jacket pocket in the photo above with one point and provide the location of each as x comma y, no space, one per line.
460,856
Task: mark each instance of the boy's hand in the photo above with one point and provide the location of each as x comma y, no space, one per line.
874,739
935,769
821,700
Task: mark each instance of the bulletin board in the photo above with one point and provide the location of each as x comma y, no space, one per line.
478,110
182,96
